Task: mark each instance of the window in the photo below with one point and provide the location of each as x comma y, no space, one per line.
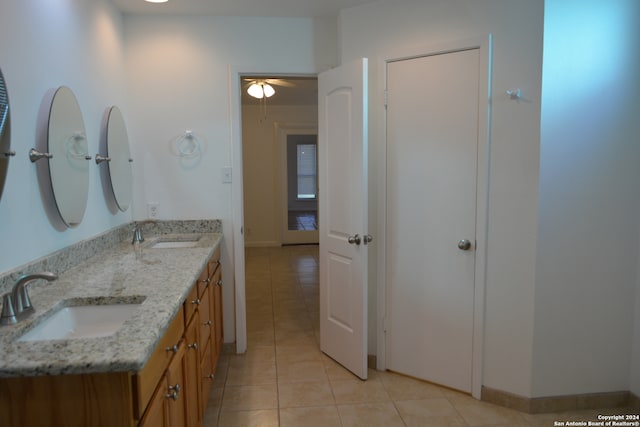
307,171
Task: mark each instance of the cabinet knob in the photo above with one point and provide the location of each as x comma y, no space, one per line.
209,377
208,323
174,348
219,282
196,301
194,345
207,280
174,392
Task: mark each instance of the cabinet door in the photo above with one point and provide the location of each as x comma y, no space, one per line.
206,320
192,371
176,388
216,315
206,374
157,414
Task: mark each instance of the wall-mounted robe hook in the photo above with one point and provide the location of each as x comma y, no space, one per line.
35,155
514,93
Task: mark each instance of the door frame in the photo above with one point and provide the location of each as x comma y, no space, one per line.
484,44
283,130
235,72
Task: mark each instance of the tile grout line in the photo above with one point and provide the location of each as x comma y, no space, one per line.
275,347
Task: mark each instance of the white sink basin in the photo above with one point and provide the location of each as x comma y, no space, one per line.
84,321
178,242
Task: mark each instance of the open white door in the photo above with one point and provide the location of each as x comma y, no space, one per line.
342,147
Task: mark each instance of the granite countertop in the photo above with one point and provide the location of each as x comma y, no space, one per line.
162,279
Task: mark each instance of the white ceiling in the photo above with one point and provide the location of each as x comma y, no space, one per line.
281,8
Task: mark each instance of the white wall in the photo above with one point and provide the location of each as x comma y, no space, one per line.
380,29
262,169
177,79
589,204
45,44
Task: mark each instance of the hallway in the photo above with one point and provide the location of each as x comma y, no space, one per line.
284,379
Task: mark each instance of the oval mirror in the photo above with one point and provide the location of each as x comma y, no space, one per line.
5,133
69,164
120,174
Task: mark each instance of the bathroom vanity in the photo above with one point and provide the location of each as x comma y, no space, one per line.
156,369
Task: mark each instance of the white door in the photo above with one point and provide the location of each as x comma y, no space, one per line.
432,147
342,147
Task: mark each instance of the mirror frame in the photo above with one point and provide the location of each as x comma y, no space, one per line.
5,133
69,164
118,150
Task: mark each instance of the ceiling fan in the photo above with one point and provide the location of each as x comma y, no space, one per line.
262,88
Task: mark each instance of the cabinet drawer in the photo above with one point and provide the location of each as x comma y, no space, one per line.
146,380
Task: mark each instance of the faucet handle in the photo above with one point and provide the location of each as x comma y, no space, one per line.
8,313
137,235
22,300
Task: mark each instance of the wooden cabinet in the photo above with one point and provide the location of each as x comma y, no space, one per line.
193,365
168,404
203,320
176,389
171,390
146,380
157,412
216,313
87,400
192,373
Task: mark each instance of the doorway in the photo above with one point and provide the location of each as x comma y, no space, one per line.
299,175
435,213
272,173
256,157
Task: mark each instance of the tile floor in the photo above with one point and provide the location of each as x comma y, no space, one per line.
284,379
303,220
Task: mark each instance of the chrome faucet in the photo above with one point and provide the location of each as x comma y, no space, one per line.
137,234
16,304
137,231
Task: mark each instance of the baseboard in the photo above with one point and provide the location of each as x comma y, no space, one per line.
574,402
229,348
264,244
634,402
372,361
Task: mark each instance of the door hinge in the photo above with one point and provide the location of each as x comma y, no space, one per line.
384,324
386,98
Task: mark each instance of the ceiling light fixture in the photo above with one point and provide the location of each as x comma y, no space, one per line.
261,90
156,1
